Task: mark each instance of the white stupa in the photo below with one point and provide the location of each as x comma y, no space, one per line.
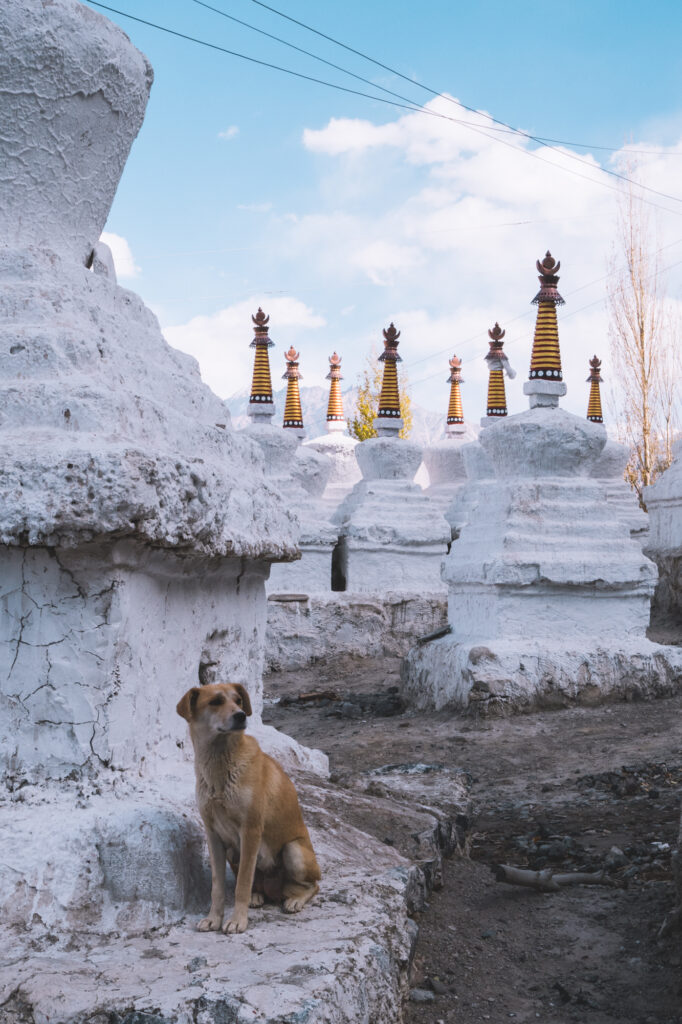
548,594
391,536
337,445
610,466
299,473
444,460
137,527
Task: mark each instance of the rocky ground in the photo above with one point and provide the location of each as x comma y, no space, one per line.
582,789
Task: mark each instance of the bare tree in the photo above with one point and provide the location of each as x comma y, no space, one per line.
643,336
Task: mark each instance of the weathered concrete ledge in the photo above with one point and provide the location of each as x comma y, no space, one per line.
505,677
99,924
127,957
306,628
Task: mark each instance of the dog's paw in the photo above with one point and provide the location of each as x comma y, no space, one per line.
236,924
293,904
257,899
210,924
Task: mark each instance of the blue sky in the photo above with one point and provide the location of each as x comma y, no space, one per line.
338,213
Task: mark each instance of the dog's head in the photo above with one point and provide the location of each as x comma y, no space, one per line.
218,708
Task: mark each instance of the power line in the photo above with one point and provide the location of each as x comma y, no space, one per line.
346,71
504,126
394,103
308,53
552,143
436,92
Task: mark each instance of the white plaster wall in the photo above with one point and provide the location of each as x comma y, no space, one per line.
325,627
392,537
664,501
59,173
97,646
311,574
664,543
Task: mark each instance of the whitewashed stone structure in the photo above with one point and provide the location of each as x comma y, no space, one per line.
340,450
136,527
446,466
300,474
336,444
392,537
136,533
609,469
548,595
664,543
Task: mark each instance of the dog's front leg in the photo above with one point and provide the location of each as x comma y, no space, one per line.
250,842
216,849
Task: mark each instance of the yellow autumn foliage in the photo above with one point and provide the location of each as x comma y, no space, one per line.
369,389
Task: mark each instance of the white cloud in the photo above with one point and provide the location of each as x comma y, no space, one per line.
381,260
255,207
343,135
229,133
123,258
438,226
220,342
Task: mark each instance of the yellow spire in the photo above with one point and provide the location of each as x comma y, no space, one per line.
389,399
594,404
335,404
261,385
455,414
545,360
293,417
497,398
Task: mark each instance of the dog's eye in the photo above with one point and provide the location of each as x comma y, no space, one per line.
217,701
238,701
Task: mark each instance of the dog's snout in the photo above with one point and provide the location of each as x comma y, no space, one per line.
240,717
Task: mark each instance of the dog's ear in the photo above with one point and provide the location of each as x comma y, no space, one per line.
246,701
187,705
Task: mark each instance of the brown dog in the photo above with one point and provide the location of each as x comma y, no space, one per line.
250,810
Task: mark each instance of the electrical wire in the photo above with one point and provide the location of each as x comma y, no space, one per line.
436,92
394,103
551,143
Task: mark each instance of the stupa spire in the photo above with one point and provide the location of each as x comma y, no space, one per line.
498,364
594,404
389,399
261,404
455,420
545,360
293,417
335,418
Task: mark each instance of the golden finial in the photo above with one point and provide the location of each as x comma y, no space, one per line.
260,319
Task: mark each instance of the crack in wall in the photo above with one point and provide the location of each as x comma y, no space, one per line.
24,618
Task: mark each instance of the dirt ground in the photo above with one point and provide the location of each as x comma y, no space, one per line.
576,789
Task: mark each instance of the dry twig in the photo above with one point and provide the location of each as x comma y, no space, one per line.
546,880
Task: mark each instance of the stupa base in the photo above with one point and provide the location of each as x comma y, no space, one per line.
100,923
544,393
505,677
